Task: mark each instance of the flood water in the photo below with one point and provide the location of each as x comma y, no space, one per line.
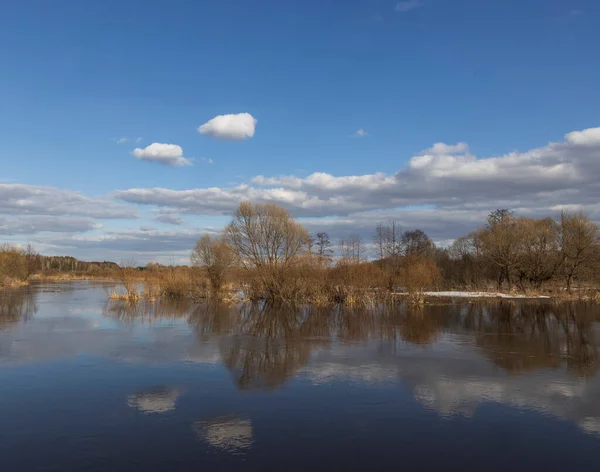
91,385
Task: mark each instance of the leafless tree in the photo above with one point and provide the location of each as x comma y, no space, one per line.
538,257
323,246
388,249
580,246
216,255
416,243
500,240
265,237
352,249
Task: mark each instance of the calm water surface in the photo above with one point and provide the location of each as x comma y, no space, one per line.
87,385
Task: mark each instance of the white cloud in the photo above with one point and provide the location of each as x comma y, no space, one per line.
133,242
447,177
167,154
122,140
208,161
408,5
233,127
169,218
360,133
443,148
24,200
446,190
40,224
587,137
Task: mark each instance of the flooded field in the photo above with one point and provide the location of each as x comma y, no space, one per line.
92,385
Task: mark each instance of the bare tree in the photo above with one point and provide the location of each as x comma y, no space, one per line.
498,216
416,243
500,240
216,255
265,237
33,259
466,254
538,256
323,246
388,250
379,241
352,249
580,246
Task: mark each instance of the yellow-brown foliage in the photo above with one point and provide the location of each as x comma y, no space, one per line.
416,275
13,267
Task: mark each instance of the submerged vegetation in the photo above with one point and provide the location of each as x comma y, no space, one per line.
265,254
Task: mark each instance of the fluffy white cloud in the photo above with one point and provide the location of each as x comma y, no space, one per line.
587,137
443,148
231,127
446,190
445,182
167,154
360,133
408,5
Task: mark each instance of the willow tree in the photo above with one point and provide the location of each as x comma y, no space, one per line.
216,256
580,246
267,240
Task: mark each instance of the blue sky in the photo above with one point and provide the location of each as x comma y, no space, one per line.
77,77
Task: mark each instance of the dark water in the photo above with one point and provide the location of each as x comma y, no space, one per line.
87,385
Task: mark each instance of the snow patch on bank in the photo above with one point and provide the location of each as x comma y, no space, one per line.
459,294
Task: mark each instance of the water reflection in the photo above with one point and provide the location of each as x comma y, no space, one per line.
267,344
145,311
452,358
159,399
230,434
15,306
521,338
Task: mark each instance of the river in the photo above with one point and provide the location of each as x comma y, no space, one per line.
92,385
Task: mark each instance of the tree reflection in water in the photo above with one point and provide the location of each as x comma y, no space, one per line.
264,345
270,344
146,312
16,305
525,337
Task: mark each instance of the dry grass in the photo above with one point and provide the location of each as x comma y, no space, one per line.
170,283
130,296
8,282
70,276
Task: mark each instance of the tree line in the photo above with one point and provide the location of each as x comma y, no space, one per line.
281,260
270,255
17,265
